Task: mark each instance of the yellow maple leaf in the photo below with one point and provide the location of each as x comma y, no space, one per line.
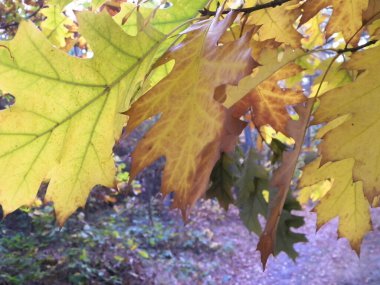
374,30
346,17
360,100
67,113
314,36
55,25
335,77
314,192
269,101
277,23
164,20
191,125
345,199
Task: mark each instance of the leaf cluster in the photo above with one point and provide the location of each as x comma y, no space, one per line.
206,72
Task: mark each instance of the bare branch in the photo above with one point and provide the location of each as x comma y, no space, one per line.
355,49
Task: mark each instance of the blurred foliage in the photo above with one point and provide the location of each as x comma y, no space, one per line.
113,245
13,11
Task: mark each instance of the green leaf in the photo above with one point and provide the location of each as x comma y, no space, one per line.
253,185
96,4
164,20
143,253
67,113
60,3
54,26
251,201
223,178
286,238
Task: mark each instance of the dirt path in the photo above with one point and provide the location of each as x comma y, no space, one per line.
324,260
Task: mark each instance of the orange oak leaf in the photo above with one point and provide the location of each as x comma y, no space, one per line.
269,101
282,179
192,123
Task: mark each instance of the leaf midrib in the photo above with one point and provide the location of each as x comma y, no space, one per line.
106,90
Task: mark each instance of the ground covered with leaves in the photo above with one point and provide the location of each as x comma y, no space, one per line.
120,244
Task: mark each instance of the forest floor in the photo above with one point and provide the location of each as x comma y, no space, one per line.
323,260
120,245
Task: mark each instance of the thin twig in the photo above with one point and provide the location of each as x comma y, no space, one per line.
355,49
344,50
272,4
365,23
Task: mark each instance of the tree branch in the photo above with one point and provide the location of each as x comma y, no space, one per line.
272,4
355,49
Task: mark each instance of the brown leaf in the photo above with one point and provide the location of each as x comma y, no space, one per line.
268,101
282,179
373,11
311,8
194,127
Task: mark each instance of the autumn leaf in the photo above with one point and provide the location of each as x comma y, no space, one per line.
271,60
67,113
313,31
223,178
282,179
277,23
286,237
60,3
55,25
311,8
346,17
374,30
253,198
251,201
345,199
335,77
313,192
373,12
190,128
269,101
371,18
164,20
96,4
359,101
